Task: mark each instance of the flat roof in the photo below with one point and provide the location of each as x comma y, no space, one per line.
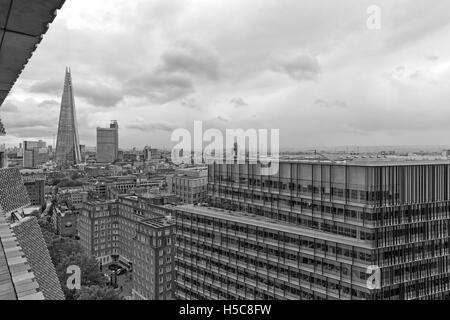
370,162
158,222
259,221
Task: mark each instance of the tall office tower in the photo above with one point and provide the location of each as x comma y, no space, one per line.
314,230
108,143
68,141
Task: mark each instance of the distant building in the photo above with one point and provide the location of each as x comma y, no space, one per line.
83,153
108,143
189,184
65,222
73,196
108,187
3,159
153,259
35,154
152,154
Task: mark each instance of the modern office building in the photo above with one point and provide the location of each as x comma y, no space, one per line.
153,259
152,154
189,184
313,231
108,143
68,142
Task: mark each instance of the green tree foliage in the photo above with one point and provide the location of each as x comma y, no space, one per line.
98,293
66,252
67,183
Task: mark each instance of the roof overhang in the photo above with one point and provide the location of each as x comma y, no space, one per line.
22,26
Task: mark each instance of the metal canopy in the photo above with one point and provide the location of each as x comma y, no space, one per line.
22,26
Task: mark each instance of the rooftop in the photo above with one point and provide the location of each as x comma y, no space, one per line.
158,222
371,162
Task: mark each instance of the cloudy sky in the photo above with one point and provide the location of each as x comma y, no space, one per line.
310,68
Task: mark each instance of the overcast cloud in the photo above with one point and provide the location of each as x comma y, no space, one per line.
308,67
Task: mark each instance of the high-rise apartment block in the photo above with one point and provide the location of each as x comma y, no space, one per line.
68,142
153,259
108,143
98,230
3,158
116,231
316,229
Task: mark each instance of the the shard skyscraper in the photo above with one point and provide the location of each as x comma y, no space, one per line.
68,150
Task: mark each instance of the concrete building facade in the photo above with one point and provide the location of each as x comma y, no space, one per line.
98,230
153,259
330,222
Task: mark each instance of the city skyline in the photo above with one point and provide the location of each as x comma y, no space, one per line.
268,151
153,85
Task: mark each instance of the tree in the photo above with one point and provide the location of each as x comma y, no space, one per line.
66,252
48,232
97,293
67,183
